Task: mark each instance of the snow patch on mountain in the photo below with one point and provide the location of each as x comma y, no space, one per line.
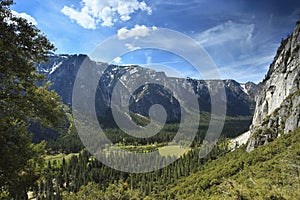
134,70
244,89
54,67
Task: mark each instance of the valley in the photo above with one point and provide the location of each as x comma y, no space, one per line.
75,128
223,173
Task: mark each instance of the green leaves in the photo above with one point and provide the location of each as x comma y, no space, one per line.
22,101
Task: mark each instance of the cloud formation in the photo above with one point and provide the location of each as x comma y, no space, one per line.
106,12
131,47
238,50
29,18
136,32
226,32
82,18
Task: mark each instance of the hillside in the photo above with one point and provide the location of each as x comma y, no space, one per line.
268,172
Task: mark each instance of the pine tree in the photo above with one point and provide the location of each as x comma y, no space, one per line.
22,101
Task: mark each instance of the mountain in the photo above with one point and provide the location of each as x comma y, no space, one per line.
277,108
61,70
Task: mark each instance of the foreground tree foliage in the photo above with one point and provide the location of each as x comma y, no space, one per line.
22,101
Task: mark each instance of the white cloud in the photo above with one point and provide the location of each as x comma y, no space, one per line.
82,18
29,18
126,8
226,32
136,32
117,60
131,47
106,12
106,15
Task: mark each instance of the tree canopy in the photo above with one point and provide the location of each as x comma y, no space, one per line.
24,98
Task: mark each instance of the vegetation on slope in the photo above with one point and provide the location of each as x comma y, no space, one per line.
268,172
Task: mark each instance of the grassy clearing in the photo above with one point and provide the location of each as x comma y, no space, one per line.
175,150
163,149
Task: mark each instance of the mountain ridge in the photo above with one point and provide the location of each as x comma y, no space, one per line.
62,69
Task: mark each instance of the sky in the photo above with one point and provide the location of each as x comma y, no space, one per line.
240,36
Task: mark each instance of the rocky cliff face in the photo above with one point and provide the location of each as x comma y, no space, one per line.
61,70
277,107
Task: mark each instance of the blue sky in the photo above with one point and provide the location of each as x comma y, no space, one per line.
240,36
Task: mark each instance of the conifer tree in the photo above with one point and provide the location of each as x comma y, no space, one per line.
23,100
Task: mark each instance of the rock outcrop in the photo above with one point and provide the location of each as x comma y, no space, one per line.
277,106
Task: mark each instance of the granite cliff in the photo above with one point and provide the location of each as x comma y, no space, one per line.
277,108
